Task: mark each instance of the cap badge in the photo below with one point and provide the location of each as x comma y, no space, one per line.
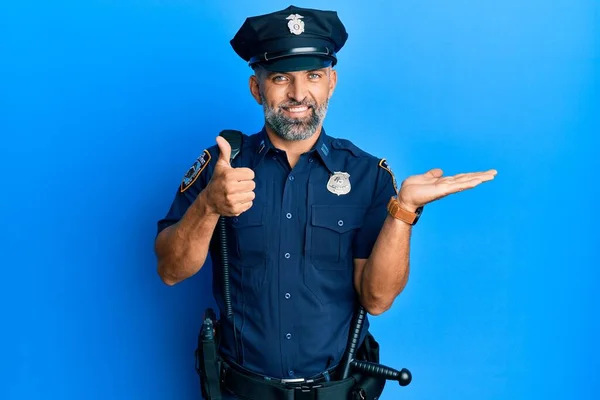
339,183
295,24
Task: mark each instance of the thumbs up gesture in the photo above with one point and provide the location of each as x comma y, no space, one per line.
230,191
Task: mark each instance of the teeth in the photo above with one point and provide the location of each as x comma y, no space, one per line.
298,109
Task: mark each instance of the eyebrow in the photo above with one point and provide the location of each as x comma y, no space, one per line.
322,70
271,73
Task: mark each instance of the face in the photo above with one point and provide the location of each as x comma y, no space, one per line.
294,103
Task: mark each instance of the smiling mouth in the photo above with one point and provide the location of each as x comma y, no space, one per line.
297,110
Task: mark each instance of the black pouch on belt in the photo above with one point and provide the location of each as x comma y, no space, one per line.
368,387
207,358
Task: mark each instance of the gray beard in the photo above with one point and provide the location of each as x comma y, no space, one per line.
294,128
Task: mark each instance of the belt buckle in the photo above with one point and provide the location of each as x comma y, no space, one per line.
306,392
293,380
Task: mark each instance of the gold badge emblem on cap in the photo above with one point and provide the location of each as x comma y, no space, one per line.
295,24
339,183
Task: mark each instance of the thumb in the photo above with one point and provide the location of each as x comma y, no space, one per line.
224,151
434,173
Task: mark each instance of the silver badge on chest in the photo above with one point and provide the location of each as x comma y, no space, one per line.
339,183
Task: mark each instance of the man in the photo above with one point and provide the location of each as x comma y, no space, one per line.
314,224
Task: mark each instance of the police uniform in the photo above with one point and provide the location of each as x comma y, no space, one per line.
291,254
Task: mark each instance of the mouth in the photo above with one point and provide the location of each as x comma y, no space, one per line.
297,111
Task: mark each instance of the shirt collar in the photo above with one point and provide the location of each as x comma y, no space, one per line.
323,148
263,146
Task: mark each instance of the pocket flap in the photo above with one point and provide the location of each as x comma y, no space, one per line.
338,218
253,217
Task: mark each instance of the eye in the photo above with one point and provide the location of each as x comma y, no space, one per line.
279,78
314,76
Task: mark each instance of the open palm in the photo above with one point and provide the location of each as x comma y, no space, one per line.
418,190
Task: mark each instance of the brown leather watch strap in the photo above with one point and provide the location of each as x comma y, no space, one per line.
398,212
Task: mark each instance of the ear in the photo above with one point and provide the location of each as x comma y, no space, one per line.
255,88
332,81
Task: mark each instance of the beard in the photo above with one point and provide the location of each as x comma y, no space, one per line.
294,128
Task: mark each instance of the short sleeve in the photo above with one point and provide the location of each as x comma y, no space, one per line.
385,188
193,182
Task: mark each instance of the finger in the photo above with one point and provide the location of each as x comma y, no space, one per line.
463,175
224,151
491,171
242,208
461,186
243,186
245,174
235,199
481,176
487,177
241,174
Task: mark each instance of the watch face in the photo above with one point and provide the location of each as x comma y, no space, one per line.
418,213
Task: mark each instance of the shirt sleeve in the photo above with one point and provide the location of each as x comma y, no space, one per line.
192,183
385,188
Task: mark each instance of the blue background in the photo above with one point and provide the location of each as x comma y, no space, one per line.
105,104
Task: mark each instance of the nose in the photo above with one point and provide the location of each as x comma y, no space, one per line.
298,90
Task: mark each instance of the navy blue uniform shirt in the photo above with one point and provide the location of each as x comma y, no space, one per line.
291,254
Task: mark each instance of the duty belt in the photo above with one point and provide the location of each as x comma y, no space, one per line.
252,386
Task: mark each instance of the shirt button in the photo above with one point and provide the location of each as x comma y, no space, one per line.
288,215
291,178
235,219
287,255
274,157
288,296
310,159
291,373
288,336
341,223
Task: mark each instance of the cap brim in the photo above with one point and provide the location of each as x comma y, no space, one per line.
298,63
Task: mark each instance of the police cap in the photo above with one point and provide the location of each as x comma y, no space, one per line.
293,39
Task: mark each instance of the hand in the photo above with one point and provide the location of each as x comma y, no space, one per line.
230,191
418,190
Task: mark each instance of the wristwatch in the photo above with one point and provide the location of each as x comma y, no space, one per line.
398,212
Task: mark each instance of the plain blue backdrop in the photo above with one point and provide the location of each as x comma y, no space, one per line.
105,104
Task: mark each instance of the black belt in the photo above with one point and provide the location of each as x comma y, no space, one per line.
254,387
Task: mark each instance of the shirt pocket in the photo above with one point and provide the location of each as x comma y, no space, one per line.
249,232
332,232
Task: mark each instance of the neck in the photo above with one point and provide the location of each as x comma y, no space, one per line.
293,148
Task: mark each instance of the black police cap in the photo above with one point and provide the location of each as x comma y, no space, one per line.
293,39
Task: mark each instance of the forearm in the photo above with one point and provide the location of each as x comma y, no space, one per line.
385,272
182,248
